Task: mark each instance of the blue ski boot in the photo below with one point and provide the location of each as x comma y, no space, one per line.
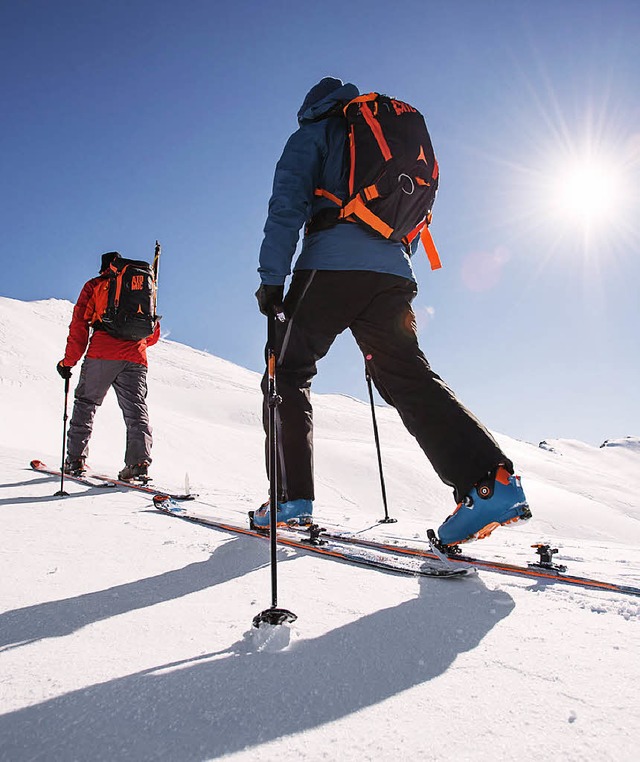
496,500
292,512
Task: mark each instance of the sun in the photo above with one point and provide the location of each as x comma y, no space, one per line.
566,178
586,190
576,196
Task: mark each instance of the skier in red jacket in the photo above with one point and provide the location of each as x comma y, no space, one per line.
109,362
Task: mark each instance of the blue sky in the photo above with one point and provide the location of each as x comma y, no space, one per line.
133,120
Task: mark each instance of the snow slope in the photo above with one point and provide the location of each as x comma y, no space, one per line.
125,634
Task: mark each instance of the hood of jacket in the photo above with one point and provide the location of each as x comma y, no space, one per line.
324,97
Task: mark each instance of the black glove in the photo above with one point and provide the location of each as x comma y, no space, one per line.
270,299
63,370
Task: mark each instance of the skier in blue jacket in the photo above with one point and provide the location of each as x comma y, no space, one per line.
347,276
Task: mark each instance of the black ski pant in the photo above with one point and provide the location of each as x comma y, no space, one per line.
129,382
376,307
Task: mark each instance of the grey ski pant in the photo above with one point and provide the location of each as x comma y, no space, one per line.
376,307
129,382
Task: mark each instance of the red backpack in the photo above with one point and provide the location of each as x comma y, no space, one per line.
393,172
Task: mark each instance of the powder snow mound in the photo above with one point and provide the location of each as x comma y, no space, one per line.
629,443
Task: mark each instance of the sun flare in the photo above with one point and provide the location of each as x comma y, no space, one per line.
582,195
573,184
586,190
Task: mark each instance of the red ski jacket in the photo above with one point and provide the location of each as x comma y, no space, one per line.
102,346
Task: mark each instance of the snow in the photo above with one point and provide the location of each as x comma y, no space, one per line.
126,634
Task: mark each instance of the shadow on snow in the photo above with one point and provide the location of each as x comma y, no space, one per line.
221,703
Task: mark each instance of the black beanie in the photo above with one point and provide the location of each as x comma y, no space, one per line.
107,259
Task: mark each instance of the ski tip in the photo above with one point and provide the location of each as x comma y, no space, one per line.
168,504
37,464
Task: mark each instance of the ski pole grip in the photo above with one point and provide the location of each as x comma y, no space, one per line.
271,328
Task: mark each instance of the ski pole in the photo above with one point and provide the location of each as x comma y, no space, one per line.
61,492
156,270
386,519
273,615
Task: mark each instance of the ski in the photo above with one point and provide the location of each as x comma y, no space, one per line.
544,568
91,479
88,481
384,560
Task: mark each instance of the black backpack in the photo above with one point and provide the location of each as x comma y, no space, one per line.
393,172
126,300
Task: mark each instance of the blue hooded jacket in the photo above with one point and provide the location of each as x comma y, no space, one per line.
315,156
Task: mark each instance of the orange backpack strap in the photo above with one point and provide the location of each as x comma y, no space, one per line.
119,277
357,208
430,248
361,99
326,194
97,305
376,130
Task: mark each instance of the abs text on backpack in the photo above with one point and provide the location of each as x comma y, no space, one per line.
125,300
393,172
